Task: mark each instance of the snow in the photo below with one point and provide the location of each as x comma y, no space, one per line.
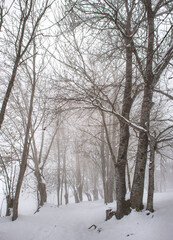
71,222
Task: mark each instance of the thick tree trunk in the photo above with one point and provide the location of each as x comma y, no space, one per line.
124,138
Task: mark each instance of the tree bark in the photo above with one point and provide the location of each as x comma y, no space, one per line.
9,89
41,186
9,201
124,136
103,164
151,176
58,171
79,184
65,181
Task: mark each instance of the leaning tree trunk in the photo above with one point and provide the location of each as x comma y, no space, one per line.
141,157
21,176
23,164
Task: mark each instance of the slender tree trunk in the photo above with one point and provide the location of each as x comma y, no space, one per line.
151,176
128,177
41,186
78,175
65,180
95,190
8,92
103,164
19,54
23,164
61,187
110,180
58,172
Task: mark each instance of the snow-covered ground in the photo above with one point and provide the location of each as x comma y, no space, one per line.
72,222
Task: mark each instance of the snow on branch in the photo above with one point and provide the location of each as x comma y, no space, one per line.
99,105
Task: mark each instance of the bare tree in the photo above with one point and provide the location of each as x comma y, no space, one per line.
151,75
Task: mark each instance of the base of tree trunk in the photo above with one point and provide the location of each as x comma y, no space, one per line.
9,205
125,211
150,209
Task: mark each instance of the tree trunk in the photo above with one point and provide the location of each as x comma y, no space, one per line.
88,196
151,176
41,189
58,171
103,164
95,184
20,180
110,182
9,201
76,195
23,164
124,138
65,182
128,177
79,184
8,92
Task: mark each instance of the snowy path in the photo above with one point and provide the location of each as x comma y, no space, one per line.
71,223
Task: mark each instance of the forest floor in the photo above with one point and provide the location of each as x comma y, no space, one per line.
71,222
